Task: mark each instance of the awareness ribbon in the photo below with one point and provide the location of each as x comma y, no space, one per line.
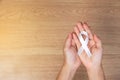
84,44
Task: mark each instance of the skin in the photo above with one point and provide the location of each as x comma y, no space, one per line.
72,60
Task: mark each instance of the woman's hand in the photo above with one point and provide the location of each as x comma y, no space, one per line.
93,64
71,60
70,53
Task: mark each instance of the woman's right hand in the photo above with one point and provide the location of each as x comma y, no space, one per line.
93,64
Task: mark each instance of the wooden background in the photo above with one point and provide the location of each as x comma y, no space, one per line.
32,35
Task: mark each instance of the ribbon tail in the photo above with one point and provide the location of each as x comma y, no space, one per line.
88,52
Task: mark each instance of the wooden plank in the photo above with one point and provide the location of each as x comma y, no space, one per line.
32,35
46,67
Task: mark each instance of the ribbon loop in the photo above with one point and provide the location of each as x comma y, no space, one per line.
84,44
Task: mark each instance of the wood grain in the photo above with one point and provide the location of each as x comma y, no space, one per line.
32,35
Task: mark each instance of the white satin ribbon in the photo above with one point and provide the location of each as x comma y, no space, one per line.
84,44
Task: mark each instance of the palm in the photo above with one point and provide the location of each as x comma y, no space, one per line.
70,52
96,56
72,57
94,46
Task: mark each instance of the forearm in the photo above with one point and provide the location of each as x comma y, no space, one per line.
96,74
66,73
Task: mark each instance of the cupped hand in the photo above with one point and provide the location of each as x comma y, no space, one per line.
94,45
70,52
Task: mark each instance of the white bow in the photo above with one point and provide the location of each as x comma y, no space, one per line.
84,44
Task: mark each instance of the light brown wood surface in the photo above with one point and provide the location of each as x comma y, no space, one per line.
32,35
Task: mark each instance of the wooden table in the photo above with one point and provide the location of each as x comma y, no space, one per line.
32,35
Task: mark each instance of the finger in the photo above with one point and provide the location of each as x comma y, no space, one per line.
97,41
68,41
76,30
87,29
74,45
80,26
73,42
92,49
91,43
77,42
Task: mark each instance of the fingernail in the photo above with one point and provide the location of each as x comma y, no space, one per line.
85,23
73,34
80,22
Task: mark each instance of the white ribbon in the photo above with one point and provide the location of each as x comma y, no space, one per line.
84,44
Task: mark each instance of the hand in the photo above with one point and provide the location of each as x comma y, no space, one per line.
72,60
93,64
70,52
94,45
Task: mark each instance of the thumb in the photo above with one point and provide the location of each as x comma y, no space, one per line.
68,41
97,41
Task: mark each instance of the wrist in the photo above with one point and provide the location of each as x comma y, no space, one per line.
94,68
96,73
66,73
69,67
